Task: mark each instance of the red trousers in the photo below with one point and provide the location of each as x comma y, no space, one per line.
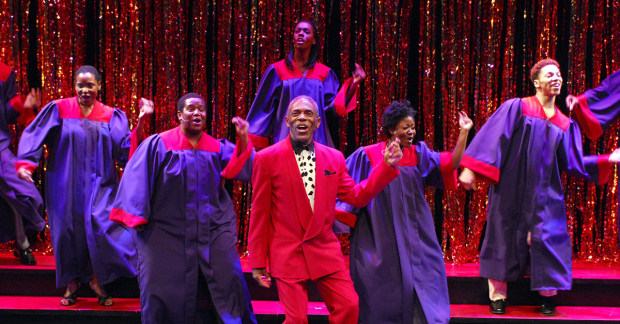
336,290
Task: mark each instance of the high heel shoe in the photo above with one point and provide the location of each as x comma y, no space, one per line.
105,301
71,299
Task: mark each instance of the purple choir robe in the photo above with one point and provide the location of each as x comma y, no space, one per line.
174,189
394,255
15,194
521,153
280,85
80,186
598,108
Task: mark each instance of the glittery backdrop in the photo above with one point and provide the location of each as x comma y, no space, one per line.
443,56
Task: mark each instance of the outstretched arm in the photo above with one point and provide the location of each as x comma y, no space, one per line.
465,125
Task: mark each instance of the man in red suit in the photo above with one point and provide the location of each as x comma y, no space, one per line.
296,182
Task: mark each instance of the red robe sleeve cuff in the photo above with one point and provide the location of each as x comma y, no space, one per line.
259,141
122,217
340,103
448,173
135,141
237,161
345,217
18,103
25,115
26,165
591,127
604,168
484,172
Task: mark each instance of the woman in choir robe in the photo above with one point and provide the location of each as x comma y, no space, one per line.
299,74
85,140
396,262
21,205
172,193
521,151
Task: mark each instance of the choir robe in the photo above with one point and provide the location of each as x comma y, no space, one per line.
598,108
15,194
190,223
80,186
521,153
394,239
279,86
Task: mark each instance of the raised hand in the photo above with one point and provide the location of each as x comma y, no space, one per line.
393,153
146,107
262,277
24,174
242,127
358,74
615,156
33,99
571,101
468,179
464,122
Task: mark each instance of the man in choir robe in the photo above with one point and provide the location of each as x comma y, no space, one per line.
521,151
21,205
296,182
171,193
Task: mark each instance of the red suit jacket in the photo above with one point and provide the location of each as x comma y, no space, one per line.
300,243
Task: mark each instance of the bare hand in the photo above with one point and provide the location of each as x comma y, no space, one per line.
242,128
615,156
571,101
146,107
468,179
262,277
24,174
393,153
358,74
33,99
464,121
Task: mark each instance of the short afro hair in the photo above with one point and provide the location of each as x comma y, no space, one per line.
535,71
88,69
181,102
394,113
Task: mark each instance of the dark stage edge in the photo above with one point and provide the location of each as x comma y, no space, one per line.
28,295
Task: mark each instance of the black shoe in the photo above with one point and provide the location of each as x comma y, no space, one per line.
25,256
548,307
498,306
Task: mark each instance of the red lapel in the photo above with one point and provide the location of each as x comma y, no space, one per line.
304,210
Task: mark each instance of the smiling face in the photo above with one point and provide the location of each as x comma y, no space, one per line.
87,88
405,131
193,117
302,119
549,81
303,36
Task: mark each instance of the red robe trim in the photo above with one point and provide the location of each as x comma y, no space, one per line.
26,165
591,127
122,217
604,168
532,107
5,71
259,141
318,72
484,172
69,108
